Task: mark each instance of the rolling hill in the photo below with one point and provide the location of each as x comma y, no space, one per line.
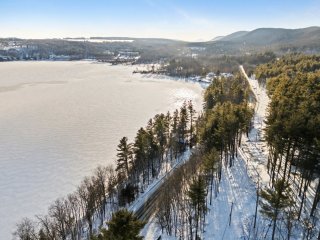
272,36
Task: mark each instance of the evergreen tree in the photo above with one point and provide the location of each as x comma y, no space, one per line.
141,154
175,134
192,113
122,226
275,201
211,162
161,131
124,158
293,121
152,149
182,127
197,195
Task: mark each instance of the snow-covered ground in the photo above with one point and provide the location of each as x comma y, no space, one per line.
151,229
238,186
237,190
254,149
232,213
165,172
203,82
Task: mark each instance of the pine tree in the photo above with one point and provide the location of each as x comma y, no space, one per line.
141,154
197,195
161,131
293,121
124,157
275,201
175,134
122,226
192,113
211,162
182,126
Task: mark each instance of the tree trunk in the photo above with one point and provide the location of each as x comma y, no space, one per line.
316,199
274,228
303,197
286,161
190,227
211,186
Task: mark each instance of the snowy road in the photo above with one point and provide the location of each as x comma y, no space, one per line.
144,206
254,149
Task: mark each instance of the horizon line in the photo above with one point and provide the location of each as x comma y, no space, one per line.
164,38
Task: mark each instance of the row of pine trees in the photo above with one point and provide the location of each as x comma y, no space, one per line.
293,138
227,113
154,149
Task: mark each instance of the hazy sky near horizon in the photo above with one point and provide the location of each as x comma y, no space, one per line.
175,19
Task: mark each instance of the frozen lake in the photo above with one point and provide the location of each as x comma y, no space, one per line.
59,120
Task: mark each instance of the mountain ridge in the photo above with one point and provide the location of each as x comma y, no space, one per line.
271,36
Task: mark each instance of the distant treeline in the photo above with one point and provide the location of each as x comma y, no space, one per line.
150,50
202,65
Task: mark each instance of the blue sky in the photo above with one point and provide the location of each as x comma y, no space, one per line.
176,19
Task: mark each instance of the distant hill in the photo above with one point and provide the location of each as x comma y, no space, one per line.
231,36
217,38
275,36
242,43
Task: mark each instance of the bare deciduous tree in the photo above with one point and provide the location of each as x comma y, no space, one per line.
26,230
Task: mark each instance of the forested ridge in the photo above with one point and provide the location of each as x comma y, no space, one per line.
184,66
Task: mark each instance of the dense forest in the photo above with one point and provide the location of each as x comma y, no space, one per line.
182,205
293,130
202,64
